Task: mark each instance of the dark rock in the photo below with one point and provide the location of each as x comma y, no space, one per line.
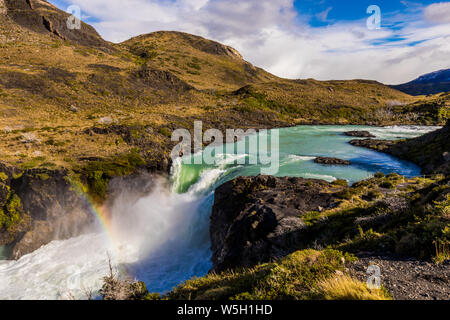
43,17
379,145
332,161
55,209
360,134
429,151
257,219
51,208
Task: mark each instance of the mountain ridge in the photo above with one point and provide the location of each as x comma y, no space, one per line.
142,89
430,83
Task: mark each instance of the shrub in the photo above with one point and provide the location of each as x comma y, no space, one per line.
10,214
387,185
340,182
379,175
373,195
165,132
98,173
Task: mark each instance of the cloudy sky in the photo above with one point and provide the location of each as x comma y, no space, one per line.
324,39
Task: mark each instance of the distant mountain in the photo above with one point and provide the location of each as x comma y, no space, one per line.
431,83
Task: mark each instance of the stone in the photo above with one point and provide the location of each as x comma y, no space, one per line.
257,219
360,134
332,161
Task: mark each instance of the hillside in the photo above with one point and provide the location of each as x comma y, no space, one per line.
431,83
83,119
69,98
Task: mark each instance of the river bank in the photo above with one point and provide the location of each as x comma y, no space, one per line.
164,213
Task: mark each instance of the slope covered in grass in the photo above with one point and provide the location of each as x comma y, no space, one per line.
57,84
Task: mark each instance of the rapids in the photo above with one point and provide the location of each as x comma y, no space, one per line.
163,237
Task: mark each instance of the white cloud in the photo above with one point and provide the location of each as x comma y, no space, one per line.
268,34
438,13
323,16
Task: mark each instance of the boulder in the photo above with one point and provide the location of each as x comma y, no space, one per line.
332,161
360,134
379,145
257,219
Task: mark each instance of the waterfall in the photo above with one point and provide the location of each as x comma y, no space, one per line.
162,238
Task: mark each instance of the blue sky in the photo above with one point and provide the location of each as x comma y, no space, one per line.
347,10
325,39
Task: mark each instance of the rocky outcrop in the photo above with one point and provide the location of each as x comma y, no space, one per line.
359,134
209,46
46,207
431,151
257,219
332,161
379,145
162,80
41,16
260,219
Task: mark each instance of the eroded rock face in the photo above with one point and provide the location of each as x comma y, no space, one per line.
159,79
43,17
38,206
257,219
50,209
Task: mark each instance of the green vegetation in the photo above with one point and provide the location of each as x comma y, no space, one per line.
79,87
11,212
412,220
165,132
3,176
340,182
303,275
98,173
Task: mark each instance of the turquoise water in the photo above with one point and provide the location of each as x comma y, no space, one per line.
298,148
163,238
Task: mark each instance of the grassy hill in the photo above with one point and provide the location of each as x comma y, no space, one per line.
67,97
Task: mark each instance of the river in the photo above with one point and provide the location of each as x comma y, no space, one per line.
163,237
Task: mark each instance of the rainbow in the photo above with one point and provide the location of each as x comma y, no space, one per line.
100,213
102,216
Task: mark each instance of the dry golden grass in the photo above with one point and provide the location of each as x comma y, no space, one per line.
43,79
343,287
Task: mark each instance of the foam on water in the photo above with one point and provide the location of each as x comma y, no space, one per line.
163,229
293,158
396,132
163,238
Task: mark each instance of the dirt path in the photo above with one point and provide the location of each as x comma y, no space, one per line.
408,279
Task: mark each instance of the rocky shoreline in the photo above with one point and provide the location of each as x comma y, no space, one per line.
262,219
38,206
431,152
